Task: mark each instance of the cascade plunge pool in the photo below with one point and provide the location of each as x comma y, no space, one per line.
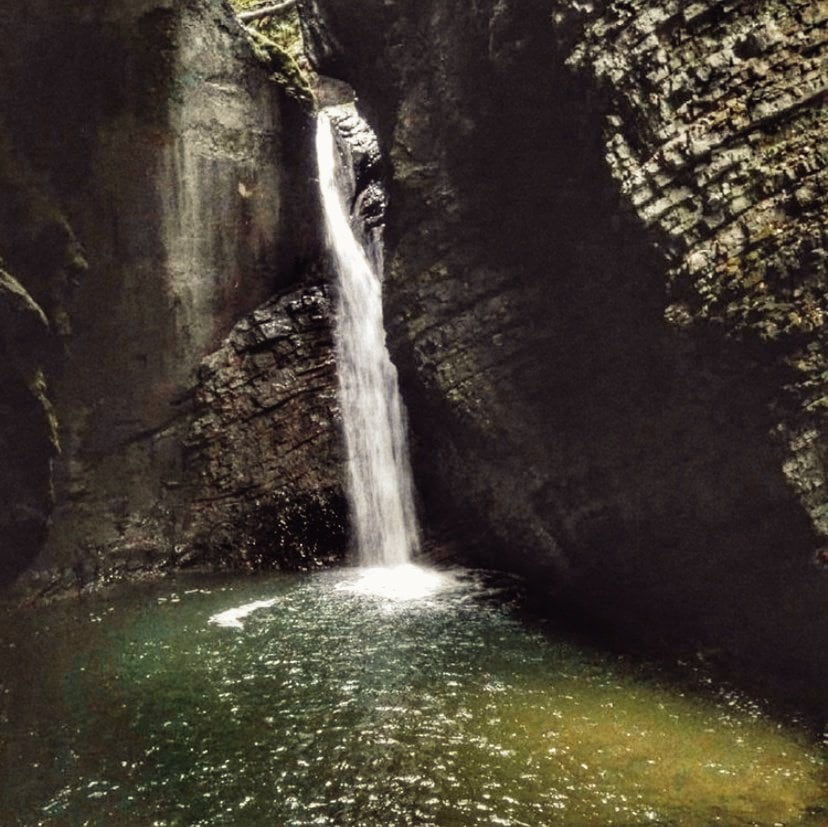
340,698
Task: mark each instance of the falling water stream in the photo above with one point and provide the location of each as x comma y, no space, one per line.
379,477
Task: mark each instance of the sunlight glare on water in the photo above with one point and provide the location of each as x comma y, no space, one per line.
150,705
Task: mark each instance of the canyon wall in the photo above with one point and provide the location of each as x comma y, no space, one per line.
605,294
157,189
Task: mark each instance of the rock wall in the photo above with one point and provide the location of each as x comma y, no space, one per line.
27,434
718,142
605,292
605,289
156,187
264,446
251,470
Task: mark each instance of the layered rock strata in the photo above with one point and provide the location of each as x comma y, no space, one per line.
605,293
264,446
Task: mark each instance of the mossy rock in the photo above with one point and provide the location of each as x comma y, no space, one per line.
277,42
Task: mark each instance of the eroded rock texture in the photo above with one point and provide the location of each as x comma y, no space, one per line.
606,281
264,444
719,143
155,188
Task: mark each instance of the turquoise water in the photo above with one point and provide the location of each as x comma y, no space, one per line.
179,703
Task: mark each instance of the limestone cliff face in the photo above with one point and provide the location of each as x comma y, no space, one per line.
156,188
717,139
605,292
263,450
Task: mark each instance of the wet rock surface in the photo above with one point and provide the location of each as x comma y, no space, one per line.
251,469
264,442
605,299
155,188
362,174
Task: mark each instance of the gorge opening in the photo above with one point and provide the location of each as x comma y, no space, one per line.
197,643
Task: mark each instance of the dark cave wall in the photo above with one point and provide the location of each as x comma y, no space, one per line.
605,288
157,189
28,440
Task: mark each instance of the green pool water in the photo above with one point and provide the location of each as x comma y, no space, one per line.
321,701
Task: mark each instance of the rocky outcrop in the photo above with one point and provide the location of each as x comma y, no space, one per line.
264,443
155,188
40,248
605,289
717,141
250,469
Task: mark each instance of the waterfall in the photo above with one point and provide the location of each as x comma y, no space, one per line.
380,490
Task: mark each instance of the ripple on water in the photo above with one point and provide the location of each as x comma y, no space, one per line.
358,697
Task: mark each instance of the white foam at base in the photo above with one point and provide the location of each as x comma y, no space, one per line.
399,583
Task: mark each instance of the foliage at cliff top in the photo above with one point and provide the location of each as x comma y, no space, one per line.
277,41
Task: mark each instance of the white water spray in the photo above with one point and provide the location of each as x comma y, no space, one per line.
380,490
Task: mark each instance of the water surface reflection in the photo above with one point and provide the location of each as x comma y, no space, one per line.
361,698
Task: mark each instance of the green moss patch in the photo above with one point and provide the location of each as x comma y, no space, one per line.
278,43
